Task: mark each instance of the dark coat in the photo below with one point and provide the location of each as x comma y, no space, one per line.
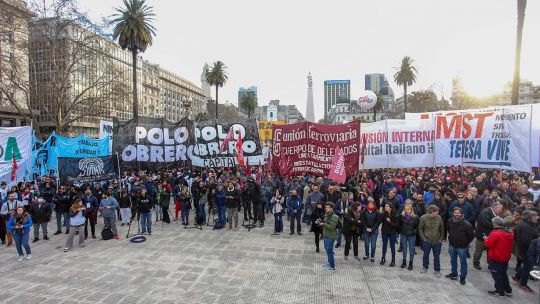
525,233
62,202
484,225
41,213
460,234
318,214
408,228
233,200
351,225
392,226
371,219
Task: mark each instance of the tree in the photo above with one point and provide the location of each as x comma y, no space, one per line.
423,101
405,76
201,116
134,31
64,73
521,6
249,102
217,76
378,105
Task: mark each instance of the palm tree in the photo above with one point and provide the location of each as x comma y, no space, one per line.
521,5
249,102
134,31
378,105
217,76
405,76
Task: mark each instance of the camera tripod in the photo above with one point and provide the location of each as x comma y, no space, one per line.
251,222
197,223
171,216
136,216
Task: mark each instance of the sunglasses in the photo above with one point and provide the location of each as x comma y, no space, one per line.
460,197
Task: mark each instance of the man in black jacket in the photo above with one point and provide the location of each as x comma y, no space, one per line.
460,235
483,228
525,234
62,203
41,212
144,208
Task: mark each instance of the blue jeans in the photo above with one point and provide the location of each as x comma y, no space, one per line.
202,213
306,218
146,221
278,222
158,212
370,238
408,241
59,216
222,217
20,241
392,238
185,214
427,247
462,253
329,247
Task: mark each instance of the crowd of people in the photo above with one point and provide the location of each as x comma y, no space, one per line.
411,209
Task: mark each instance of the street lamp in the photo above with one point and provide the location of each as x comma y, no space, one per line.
187,103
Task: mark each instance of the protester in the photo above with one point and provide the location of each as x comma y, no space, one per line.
499,248
294,210
19,225
185,204
125,206
232,196
371,220
329,232
77,219
221,204
144,209
317,216
431,229
525,234
390,225
483,228
351,229
108,208
408,224
62,201
7,210
460,235
277,211
41,212
91,205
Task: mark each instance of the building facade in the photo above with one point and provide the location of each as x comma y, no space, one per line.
289,114
310,107
206,87
528,93
374,82
179,97
14,66
334,89
342,113
151,91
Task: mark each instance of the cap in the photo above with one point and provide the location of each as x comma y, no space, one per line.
499,221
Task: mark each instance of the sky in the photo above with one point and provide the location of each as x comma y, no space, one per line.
275,44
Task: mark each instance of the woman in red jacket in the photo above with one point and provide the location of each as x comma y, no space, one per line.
499,251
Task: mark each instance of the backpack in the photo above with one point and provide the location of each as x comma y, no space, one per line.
106,233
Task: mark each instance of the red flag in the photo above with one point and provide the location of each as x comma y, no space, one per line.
240,152
228,138
14,168
248,167
337,171
260,172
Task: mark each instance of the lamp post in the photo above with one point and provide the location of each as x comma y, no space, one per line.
187,103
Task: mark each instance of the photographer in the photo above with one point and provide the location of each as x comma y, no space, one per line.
77,218
19,226
251,198
318,217
8,209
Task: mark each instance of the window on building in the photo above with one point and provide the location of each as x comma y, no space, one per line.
6,123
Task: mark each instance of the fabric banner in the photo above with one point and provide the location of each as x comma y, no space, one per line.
498,138
209,138
77,171
309,147
154,143
106,130
15,143
46,154
534,123
396,144
337,171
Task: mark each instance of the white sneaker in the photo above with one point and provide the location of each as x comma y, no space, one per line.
66,249
20,259
424,270
437,274
29,256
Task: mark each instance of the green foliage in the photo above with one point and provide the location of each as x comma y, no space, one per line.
249,102
133,27
217,75
406,76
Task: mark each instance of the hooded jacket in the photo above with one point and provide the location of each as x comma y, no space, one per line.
460,233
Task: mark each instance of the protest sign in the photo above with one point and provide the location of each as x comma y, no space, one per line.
77,171
15,147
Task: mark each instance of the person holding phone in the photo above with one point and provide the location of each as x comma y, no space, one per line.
77,220
19,226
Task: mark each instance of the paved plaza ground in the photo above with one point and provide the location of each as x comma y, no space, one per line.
192,266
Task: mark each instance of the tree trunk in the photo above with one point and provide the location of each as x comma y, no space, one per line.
404,98
135,101
521,5
217,102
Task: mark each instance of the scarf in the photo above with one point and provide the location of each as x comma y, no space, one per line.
454,220
407,217
371,208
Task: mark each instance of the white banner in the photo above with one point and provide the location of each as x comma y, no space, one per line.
15,142
396,144
534,125
500,138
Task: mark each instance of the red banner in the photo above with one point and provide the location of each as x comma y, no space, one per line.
309,147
